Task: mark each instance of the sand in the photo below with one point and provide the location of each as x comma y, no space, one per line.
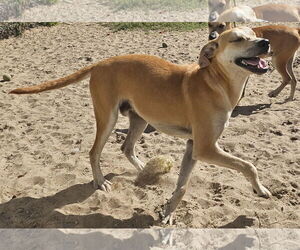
105,11
45,174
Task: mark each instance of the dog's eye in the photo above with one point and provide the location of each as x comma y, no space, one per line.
240,39
221,26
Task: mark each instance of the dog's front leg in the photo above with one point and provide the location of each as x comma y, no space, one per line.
213,154
185,171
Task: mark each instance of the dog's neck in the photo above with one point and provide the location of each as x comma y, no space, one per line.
231,80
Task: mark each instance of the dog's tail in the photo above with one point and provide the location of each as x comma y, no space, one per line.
56,84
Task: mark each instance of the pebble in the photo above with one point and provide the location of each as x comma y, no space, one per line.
164,45
6,77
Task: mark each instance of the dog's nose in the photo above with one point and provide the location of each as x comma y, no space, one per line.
264,43
212,35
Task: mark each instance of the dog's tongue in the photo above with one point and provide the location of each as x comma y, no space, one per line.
263,64
256,61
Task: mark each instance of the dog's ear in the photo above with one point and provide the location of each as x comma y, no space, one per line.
207,53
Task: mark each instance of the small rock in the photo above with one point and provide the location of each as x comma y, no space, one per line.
287,123
217,199
293,203
294,138
278,132
164,45
6,77
74,151
294,185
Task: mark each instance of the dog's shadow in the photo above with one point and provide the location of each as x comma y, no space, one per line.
28,212
249,109
241,221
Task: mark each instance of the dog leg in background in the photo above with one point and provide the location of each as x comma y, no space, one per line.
186,168
281,66
294,80
136,128
244,89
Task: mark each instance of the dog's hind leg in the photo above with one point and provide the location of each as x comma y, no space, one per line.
186,168
106,110
281,66
136,128
294,80
104,129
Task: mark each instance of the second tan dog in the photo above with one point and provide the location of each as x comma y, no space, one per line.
223,11
190,101
285,42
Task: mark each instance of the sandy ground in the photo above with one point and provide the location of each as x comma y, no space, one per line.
45,175
104,11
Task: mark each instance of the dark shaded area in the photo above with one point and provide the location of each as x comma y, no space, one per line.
240,222
241,242
56,239
16,29
28,212
249,109
149,129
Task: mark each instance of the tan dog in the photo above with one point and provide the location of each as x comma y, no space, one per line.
280,37
240,14
189,101
216,7
278,12
222,11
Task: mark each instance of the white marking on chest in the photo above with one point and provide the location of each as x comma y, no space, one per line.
173,130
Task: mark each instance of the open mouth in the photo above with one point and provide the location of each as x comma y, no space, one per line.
254,64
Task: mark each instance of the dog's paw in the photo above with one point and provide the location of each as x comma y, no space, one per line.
166,217
289,99
263,192
139,165
103,185
273,93
167,220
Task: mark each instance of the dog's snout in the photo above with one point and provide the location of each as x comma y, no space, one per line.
264,43
213,35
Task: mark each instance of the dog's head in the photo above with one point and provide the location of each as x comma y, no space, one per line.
235,50
217,28
216,7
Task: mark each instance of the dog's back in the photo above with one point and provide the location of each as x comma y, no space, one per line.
290,35
278,12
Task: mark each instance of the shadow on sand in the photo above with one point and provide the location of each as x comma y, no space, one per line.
249,109
28,212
